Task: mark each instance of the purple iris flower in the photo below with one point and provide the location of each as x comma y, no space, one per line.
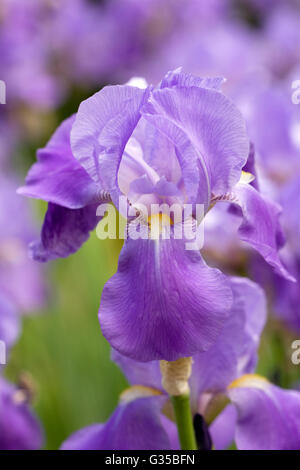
252,412
19,428
182,142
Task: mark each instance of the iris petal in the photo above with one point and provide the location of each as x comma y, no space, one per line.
57,176
64,231
102,128
164,302
209,135
133,426
260,226
234,352
268,416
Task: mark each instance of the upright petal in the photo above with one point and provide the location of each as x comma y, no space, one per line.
268,416
164,302
179,78
103,125
133,426
209,134
149,145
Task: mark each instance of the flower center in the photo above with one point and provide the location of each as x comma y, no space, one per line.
149,174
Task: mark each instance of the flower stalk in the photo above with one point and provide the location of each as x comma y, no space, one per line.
175,376
184,422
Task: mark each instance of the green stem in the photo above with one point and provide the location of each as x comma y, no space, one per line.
184,421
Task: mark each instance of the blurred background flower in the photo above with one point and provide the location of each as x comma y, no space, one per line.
54,54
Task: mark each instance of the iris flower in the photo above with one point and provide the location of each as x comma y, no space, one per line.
229,401
182,142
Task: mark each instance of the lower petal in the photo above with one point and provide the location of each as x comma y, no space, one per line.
260,227
57,176
133,426
268,416
64,231
164,302
172,432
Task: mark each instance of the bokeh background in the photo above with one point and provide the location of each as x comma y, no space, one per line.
54,54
